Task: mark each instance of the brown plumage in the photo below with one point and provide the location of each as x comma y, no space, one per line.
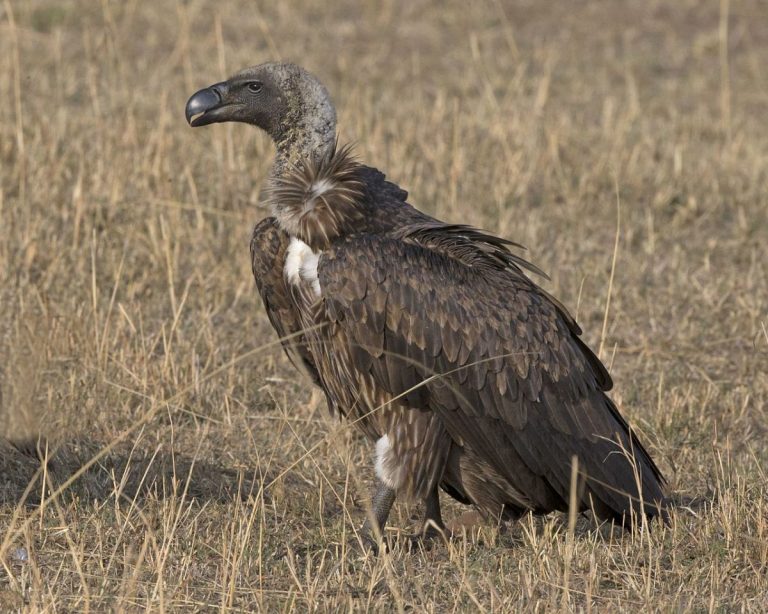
429,336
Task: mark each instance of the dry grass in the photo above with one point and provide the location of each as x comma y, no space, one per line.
190,470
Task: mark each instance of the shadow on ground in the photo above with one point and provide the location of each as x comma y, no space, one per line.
127,473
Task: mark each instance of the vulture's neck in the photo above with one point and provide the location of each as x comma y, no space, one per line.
309,144
313,190
309,134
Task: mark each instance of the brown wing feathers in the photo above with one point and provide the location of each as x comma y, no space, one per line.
529,411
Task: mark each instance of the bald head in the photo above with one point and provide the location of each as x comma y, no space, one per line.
284,100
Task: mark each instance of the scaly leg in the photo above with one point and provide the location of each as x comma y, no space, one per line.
381,504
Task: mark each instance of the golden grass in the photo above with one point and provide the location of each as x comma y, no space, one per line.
190,470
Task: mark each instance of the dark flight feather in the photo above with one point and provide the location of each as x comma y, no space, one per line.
548,406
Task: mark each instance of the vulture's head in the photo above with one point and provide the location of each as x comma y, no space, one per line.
284,100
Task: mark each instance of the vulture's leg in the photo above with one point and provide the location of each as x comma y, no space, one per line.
381,504
433,525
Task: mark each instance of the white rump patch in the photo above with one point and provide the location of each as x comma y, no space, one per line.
386,468
301,264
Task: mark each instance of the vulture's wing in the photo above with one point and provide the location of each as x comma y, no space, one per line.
268,248
509,375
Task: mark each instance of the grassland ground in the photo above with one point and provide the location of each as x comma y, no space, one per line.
625,143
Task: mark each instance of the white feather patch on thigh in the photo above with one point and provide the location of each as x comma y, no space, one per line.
387,469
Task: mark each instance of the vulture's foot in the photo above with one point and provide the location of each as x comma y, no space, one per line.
433,528
372,535
370,544
427,539
362,544
409,542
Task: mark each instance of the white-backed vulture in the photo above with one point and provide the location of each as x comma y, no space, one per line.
429,336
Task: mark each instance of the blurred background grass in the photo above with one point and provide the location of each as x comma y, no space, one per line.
130,318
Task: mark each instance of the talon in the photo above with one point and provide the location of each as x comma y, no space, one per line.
364,543
432,531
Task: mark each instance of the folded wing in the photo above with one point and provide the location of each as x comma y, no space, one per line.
448,321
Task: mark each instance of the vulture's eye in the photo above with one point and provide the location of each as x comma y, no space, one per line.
254,87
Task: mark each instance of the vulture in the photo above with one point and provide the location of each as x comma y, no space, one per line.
428,336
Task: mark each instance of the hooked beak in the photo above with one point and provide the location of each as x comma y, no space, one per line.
207,106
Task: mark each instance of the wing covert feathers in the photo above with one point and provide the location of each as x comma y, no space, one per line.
513,382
